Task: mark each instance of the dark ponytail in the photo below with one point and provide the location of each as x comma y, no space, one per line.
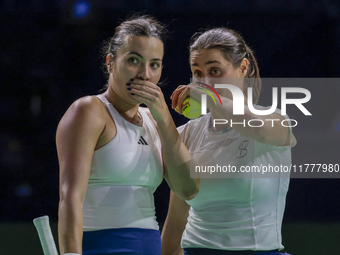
253,75
235,49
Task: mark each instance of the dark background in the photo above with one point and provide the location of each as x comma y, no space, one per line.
49,57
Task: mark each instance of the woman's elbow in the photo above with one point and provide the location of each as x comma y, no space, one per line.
189,194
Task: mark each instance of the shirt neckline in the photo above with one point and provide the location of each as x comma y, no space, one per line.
120,116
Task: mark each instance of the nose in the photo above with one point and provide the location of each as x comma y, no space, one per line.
144,73
202,78
206,80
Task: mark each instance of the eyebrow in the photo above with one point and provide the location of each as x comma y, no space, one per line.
139,55
207,63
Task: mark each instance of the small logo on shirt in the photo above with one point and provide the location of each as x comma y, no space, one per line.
243,149
142,141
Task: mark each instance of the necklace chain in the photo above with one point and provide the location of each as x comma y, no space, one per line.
138,119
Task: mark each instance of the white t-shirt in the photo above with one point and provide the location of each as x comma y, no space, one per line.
234,213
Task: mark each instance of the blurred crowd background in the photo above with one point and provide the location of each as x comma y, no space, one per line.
50,56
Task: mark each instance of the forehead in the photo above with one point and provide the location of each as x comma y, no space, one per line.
148,47
208,55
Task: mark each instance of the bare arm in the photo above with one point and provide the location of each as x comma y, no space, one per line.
271,133
174,226
76,138
176,156
177,162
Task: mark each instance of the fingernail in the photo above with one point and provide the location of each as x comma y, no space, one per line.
128,88
132,94
131,79
128,84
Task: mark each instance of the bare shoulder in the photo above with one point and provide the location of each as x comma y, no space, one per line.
85,107
84,112
88,105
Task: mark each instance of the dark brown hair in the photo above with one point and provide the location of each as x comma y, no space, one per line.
235,49
135,26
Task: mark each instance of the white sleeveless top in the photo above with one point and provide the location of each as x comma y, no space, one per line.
234,213
124,175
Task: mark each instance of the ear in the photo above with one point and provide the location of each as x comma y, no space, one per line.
109,62
244,67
